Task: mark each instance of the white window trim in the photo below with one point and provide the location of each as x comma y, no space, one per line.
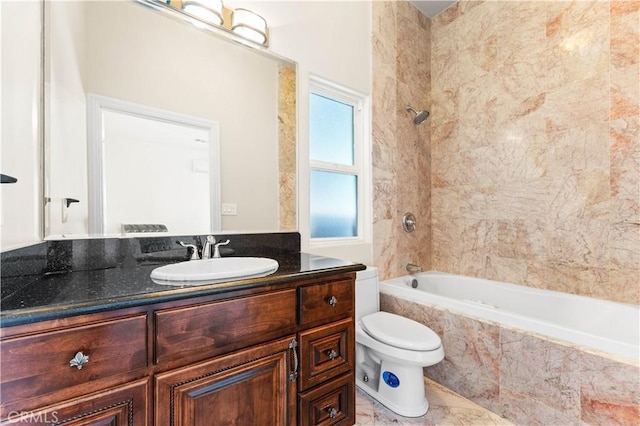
362,160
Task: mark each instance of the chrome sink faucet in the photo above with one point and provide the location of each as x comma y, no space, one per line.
206,249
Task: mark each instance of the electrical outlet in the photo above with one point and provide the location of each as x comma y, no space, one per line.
229,209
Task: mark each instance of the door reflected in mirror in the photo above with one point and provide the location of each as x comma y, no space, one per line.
155,162
135,54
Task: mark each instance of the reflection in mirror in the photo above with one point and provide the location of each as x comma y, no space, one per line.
135,54
151,156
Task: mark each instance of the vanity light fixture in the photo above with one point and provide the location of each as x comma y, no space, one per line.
249,25
209,11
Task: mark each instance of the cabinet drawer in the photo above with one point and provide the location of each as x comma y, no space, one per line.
198,332
326,352
325,300
329,404
37,365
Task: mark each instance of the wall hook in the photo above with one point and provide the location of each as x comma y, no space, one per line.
69,201
66,202
7,179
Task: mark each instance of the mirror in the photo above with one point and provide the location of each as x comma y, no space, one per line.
191,131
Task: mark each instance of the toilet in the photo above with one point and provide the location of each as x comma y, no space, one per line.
391,351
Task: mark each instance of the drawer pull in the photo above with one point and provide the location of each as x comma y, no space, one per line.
333,301
332,354
79,360
332,412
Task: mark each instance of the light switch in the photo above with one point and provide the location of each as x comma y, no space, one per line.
229,209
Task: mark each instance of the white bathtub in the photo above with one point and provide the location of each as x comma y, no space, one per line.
598,324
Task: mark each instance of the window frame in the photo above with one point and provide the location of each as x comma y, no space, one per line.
361,167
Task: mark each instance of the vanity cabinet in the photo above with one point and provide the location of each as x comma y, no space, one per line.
275,354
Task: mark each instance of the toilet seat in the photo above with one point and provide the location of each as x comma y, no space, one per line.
400,332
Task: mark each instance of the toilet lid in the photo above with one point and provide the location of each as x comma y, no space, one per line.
400,332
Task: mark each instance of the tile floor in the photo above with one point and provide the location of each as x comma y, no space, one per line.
445,408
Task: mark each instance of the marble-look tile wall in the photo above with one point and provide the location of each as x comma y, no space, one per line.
526,378
287,147
535,144
401,150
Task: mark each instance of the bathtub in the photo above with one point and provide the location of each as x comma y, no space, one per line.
610,327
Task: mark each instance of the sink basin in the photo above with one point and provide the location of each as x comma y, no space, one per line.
212,270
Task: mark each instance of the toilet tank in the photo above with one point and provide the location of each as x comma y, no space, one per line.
367,296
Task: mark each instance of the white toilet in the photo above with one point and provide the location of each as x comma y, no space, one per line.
391,351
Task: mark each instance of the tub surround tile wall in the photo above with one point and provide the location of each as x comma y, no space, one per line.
532,150
401,150
523,377
535,144
609,391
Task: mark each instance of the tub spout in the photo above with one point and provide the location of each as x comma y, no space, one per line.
413,269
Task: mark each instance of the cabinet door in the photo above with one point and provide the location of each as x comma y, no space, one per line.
249,387
125,405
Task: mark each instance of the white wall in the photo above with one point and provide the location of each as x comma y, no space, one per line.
20,117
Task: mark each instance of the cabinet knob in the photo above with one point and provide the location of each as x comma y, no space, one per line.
332,354
332,412
79,360
333,301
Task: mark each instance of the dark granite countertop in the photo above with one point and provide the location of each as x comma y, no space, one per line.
101,275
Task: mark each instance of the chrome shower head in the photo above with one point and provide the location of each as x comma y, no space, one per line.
420,117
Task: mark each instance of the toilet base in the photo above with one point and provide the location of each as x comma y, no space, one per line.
417,411
398,387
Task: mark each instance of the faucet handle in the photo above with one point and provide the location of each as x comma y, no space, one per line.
216,250
194,250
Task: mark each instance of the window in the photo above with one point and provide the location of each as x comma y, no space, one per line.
337,159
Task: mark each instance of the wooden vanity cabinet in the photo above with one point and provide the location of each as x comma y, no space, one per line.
274,355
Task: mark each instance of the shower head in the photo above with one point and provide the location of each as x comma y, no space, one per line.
420,117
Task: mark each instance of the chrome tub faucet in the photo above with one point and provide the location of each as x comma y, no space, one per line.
413,268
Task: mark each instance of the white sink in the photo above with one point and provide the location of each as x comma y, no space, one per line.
214,270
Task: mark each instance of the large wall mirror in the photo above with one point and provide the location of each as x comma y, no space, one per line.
151,121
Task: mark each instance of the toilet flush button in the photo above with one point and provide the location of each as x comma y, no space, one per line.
391,379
